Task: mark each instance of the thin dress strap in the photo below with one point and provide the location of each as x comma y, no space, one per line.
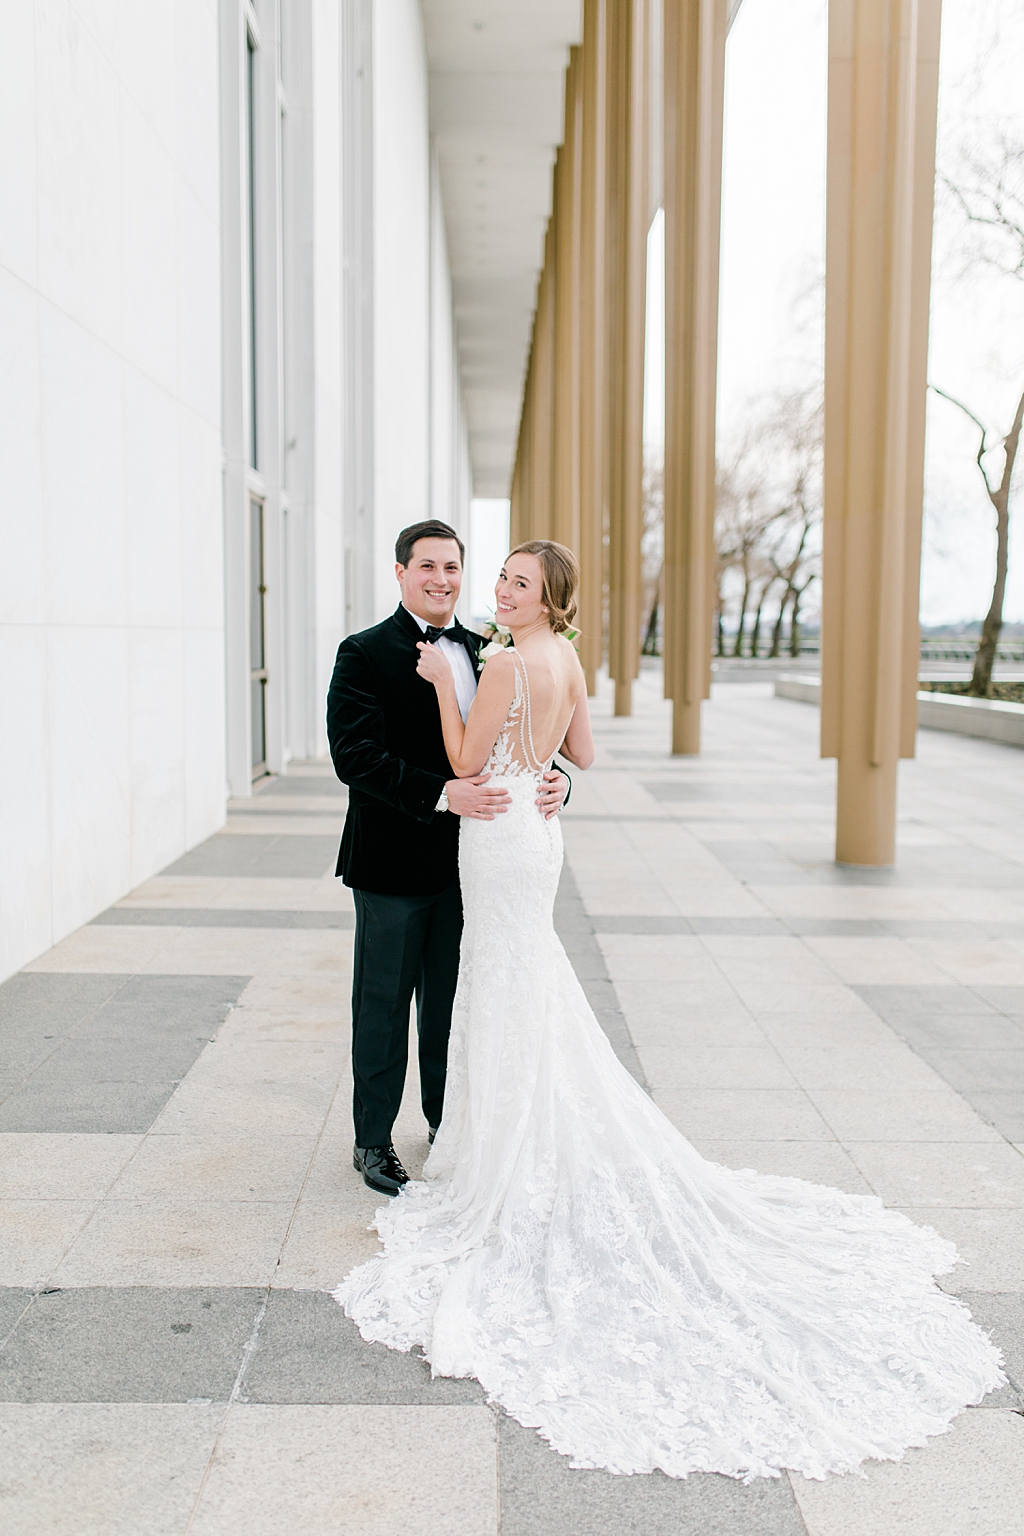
526,724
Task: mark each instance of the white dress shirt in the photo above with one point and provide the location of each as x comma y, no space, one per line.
462,667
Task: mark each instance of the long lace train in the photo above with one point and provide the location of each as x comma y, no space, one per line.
641,1307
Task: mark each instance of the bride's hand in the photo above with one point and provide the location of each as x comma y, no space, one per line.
432,665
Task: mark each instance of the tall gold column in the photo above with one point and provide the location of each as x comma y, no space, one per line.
592,320
542,385
565,521
883,74
626,194
695,32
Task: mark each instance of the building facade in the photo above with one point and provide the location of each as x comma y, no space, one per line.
230,376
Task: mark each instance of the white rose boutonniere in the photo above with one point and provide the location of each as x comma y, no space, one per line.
498,639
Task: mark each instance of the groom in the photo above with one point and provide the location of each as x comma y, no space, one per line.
399,849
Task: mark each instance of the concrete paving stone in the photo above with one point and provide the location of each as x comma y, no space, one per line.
657,957
309,998
146,1007
308,1351
61,1167
216,1166
819,1162
22,1053
93,1058
942,1173
842,927
731,1066
103,1469
262,857
1006,999
964,1483
993,961
13,1302
307,785
951,931
754,927
216,917
900,1114
327,1238
308,822
850,901
966,1031
294,1108
978,1067
177,1243
36,1235
542,1495
1002,1317
895,1002
862,1031
793,997
671,1005
990,1243
754,1114
624,923
375,1471
225,1064
856,1066
877,961
104,950
84,1108
1003,1109
52,1004
128,1345
209,951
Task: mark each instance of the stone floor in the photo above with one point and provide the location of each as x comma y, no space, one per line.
177,1191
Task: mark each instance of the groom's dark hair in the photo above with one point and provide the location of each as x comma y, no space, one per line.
431,529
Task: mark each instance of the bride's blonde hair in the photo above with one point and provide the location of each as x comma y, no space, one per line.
560,579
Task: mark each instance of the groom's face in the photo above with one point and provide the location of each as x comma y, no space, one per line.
430,582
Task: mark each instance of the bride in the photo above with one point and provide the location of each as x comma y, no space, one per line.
638,1306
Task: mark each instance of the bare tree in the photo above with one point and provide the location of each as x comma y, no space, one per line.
769,511
999,496
987,194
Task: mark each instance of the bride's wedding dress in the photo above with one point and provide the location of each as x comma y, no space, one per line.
640,1307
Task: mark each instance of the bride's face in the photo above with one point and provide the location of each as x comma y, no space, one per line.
518,592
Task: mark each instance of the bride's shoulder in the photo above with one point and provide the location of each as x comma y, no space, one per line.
570,656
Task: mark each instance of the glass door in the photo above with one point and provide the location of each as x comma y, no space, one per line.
257,639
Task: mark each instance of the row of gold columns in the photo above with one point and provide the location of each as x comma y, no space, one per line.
579,467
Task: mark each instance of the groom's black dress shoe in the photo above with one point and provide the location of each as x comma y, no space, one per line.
380,1168
431,1133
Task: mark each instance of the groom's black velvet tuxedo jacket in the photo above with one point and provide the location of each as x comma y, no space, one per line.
384,730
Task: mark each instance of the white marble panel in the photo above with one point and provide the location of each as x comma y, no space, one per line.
79,155
17,126
197,96
91,805
157,749
198,264
148,222
201,521
152,501
22,592
146,63
205,782
82,413
25,915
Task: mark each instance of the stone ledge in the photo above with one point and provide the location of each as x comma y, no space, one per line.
989,718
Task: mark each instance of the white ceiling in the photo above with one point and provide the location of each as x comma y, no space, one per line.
496,90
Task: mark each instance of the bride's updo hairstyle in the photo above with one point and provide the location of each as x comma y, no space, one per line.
560,579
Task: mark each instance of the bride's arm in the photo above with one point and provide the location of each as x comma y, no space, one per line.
578,745
469,746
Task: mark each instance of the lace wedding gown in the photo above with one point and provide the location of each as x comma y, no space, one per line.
640,1307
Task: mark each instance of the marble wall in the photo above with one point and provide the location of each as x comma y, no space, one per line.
111,581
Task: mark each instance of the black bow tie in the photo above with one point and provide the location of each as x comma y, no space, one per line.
433,633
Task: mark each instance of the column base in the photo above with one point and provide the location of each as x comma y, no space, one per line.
624,697
685,729
866,814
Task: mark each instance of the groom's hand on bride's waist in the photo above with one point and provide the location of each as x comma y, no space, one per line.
476,798
551,795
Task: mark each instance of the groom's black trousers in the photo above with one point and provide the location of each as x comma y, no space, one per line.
403,945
